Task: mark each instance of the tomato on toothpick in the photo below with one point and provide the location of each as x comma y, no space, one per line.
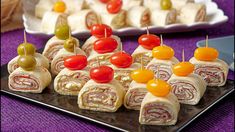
149,41
59,6
114,6
102,74
183,68
98,30
206,53
76,62
105,45
121,59
104,1
158,87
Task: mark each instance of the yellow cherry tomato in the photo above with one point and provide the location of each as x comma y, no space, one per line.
183,68
206,53
163,52
59,6
142,75
158,87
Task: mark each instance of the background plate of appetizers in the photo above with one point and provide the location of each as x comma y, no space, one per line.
225,46
214,16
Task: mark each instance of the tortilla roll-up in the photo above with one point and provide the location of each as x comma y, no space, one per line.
73,6
97,6
53,46
127,4
40,59
188,89
87,47
42,7
51,19
138,16
70,82
164,67
159,110
152,4
105,97
213,72
192,12
135,95
163,17
82,20
144,53
178,4
115,21
57,64
123,74
34,81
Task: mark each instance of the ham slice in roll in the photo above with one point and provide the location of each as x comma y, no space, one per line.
138,16
145,53
163,17
70,82
82,20
127,4
115,21
164,67
192,12
42,7
159,110
106,97
51,19
52,47
135,95
29,81
213,72
123,74
41,61
57,64
188,89
87,47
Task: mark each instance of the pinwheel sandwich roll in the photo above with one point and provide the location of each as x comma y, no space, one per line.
42,7
213,72
82,20
34,81
115,21
97,6
135,95
164,67
41,61
188,89
57,64
127,4
105,97
163,17
73,6
123,74
159,110
87,47
178,4
144,53
192,12
53,46
138,16
152,4
51,19
70,82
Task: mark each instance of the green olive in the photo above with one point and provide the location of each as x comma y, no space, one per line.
166,4
27,62
69,44
26,47
62,32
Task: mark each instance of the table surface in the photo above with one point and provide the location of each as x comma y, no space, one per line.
18,115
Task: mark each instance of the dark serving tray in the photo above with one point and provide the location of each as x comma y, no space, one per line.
123,119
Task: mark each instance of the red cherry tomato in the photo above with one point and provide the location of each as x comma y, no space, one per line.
98,30
76,62
102,74
149,41
114,6
104,1
121,59
105,45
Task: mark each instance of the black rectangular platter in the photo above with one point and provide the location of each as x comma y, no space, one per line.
123,119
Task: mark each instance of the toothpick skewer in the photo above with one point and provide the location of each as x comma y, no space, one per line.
161,40
206,40
183,56
25,39
147,30
141,62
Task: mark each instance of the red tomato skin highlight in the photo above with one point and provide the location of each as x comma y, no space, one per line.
102,74
114,6
76,62
98,30
121,60
105,45
149,41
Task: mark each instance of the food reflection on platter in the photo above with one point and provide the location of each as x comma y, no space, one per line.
104,77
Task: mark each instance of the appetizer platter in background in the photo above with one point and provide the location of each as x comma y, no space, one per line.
126,17
149,89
